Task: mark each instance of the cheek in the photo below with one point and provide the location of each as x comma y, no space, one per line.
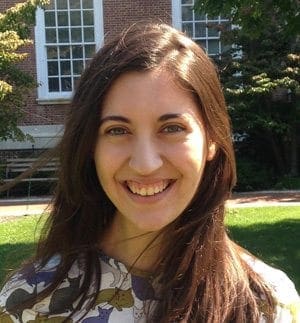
108,159
195,152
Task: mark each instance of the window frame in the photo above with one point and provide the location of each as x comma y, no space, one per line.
178,24
44,96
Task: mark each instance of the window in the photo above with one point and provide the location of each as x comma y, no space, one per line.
67,34
201,28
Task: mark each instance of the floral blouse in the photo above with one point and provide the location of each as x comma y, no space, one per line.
123,298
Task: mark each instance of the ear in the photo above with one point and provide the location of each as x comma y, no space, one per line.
211,152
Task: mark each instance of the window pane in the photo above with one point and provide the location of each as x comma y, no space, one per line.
87,4
88,18
49,18
89,51
63,35
202,44
187,13
76,35
77,52
187,1
50,35
188,29
62,4
89,34
53,84
75,4
212,17
62,18
66,84
75,18
52,68
200,29
77,67
200,16
64,52
51,52
213,32
65,68
213,47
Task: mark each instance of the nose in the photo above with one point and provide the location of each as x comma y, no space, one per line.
145,157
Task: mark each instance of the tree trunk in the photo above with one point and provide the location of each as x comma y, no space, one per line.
294,157
278,158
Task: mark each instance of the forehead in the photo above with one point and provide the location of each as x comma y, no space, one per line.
151,93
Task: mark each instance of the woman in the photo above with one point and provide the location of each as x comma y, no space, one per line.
137,230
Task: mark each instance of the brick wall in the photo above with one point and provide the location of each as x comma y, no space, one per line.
117,16
120,14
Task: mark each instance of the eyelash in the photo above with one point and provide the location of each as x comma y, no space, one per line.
178,128
117,131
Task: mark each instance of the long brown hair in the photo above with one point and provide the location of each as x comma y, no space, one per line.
204,277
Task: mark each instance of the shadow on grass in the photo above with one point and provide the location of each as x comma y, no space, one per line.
12,256
277,244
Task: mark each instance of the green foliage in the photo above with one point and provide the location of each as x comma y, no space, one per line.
252,176
254,15
20,17
15,27
288,183
260,73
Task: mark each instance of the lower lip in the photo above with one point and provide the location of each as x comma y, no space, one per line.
149,198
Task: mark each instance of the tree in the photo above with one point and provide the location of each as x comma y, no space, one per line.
260,75
15,28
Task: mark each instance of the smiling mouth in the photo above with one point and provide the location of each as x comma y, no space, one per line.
148,189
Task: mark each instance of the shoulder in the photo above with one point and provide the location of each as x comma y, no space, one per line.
25,284
32,276
283,290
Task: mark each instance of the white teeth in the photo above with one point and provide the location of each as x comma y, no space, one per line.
142,192
151,191
147,190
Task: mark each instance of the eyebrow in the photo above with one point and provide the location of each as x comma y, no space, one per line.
168,116
162,118
114,118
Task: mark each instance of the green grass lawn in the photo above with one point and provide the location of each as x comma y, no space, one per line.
271,233
17,242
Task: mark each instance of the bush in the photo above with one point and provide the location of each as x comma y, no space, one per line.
253,176
288,183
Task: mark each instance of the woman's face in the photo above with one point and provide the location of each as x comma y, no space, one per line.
151,150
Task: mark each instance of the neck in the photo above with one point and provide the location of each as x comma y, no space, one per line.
134,248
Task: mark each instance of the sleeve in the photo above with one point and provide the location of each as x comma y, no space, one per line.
25,285
284,292
15,292
288,301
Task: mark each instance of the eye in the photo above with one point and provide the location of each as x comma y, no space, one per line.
117,131
173,128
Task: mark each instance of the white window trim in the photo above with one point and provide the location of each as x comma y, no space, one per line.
44,96
176,14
